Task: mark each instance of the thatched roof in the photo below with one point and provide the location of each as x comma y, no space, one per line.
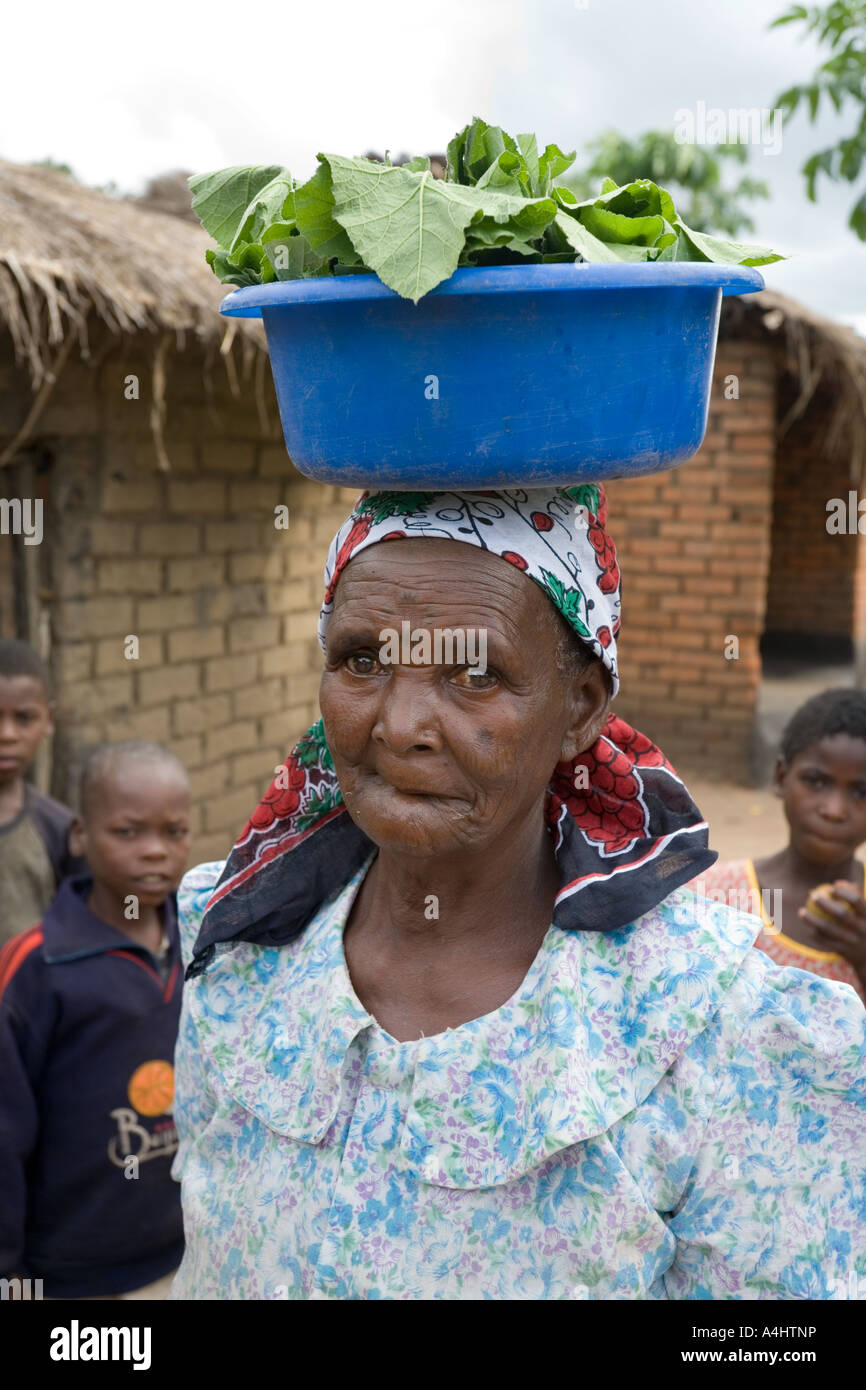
818,355
70,253
67,250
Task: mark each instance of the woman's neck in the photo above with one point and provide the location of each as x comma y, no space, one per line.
506,893
431,944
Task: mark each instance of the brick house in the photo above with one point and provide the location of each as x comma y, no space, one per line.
734,543
159,512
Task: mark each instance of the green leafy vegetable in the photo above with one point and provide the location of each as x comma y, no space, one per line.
235,205
499,203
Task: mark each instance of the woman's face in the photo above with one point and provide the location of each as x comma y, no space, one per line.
435,757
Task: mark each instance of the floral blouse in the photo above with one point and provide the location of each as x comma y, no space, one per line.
658,1112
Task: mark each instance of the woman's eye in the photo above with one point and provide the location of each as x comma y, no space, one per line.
470,678
361,663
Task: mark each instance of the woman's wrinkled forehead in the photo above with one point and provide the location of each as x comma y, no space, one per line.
441,574
396,592
555,537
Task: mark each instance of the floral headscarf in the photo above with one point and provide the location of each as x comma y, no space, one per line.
555,536
626,831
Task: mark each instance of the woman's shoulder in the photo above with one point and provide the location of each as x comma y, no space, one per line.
791,1021
193,895
781,1012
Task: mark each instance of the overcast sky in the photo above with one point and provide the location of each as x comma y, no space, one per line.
124,92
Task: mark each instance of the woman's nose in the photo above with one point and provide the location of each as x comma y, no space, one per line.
405,717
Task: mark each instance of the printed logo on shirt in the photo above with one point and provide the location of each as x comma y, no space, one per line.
151,1094
151,1088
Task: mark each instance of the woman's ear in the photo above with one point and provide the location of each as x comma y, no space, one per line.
592,697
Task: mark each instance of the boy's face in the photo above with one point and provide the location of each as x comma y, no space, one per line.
135,836
824,792
25,719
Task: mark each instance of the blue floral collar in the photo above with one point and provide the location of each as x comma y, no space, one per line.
598,1020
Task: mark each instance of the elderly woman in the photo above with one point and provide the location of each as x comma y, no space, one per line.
454,1028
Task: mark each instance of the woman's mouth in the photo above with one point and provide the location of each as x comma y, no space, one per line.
428,792
410,788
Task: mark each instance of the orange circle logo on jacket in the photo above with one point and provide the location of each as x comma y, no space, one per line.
151,1088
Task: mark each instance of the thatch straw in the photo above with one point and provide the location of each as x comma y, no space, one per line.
68,252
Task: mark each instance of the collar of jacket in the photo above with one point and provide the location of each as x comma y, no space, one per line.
71,931
596,1023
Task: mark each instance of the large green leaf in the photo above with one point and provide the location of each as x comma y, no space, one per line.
592,248
681,249
314,213
225,201
410,227
637,213
713,248
628,231
274,203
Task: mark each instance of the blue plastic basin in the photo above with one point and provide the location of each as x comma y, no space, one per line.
512,376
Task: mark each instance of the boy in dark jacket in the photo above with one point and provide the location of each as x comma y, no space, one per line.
89,1007
34,829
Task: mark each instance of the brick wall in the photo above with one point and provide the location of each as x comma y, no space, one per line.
223,604
694,548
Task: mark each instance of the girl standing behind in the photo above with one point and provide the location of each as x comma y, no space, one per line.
820,774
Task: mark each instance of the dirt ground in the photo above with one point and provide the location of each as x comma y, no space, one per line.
745,822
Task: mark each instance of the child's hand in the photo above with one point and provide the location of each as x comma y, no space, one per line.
847,934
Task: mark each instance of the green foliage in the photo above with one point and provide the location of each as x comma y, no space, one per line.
500,203
694,173
839,80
